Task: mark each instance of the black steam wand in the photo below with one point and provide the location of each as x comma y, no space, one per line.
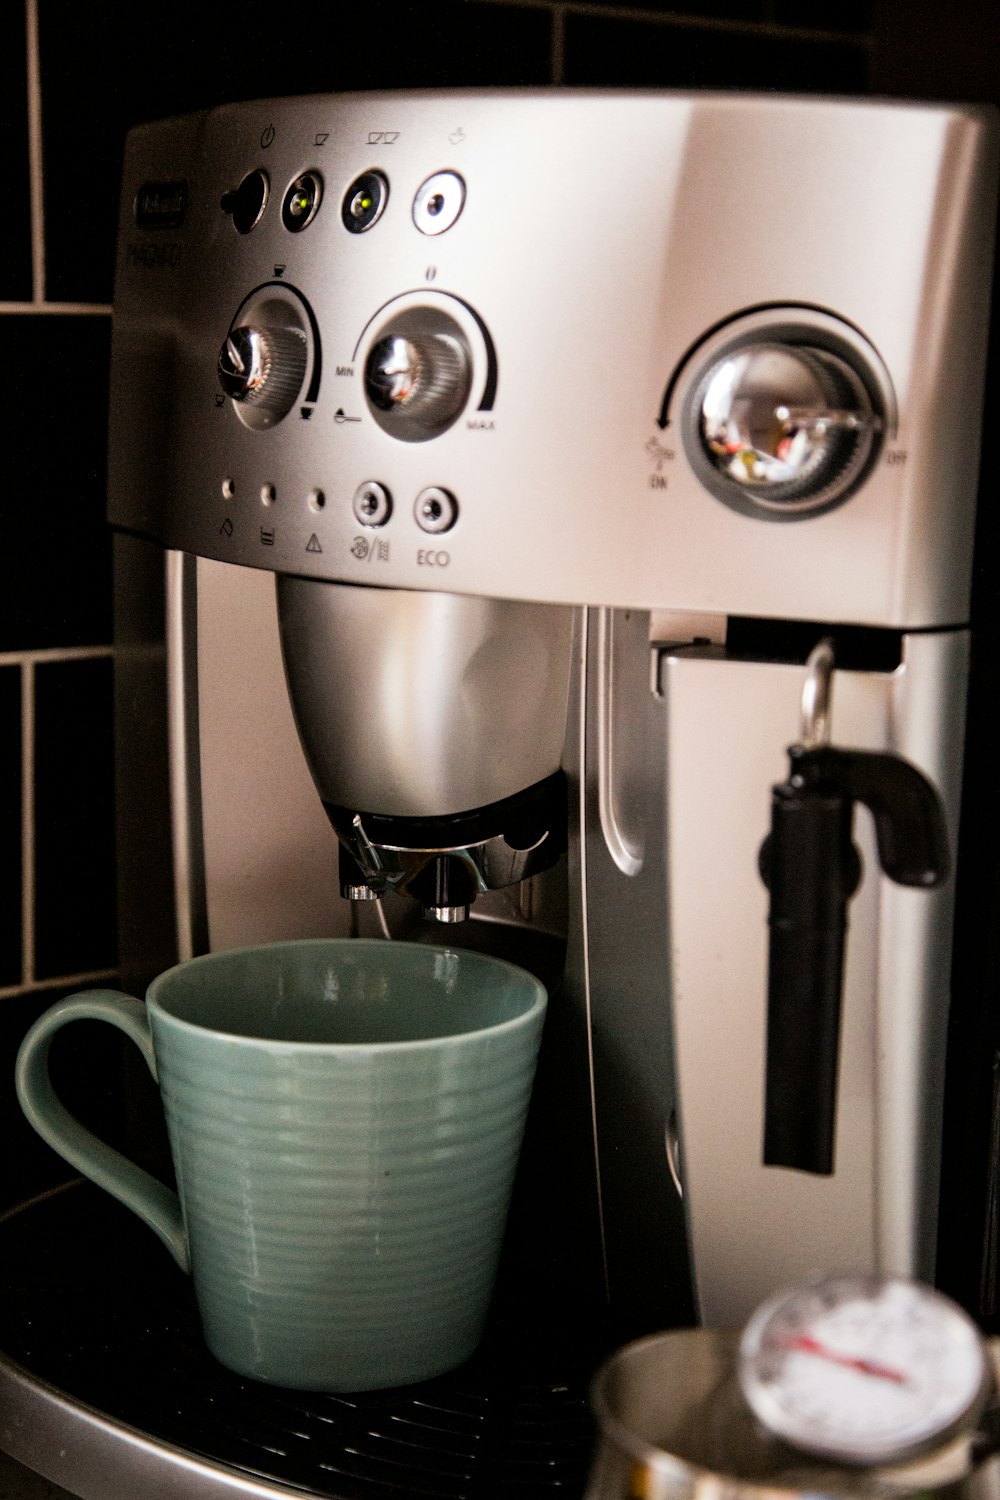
811,868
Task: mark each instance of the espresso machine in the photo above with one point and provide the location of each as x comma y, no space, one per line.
559,471
547,521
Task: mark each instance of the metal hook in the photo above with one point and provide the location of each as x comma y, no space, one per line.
816,693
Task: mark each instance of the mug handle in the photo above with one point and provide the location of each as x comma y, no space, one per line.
144,1194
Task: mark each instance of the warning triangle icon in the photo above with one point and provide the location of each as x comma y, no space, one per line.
313,544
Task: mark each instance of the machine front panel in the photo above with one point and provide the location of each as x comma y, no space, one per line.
606,250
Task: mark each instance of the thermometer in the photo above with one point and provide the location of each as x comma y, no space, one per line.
862,1370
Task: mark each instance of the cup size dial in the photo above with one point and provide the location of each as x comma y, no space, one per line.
263,368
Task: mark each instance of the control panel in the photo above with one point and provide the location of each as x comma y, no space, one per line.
567,347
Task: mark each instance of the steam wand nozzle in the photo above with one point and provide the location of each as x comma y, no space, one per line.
811,868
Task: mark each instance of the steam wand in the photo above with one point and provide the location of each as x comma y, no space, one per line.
811,868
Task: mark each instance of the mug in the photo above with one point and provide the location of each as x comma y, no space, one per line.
345,1118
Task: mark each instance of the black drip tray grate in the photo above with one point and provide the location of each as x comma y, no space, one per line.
92,1304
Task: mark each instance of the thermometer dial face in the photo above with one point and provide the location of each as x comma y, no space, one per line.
863,1370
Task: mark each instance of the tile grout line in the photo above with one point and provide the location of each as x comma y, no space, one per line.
61,981
27,824
35,657
35,152
557,58
86,309
28,661
681,19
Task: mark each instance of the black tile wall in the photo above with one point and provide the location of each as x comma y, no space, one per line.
188,55
10,826
75,929
15,234
55,398
631,54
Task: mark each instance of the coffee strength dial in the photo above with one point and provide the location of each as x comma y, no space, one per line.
428,378
418,374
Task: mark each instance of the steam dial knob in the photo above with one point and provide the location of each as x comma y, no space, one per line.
263,370
785,428
420,382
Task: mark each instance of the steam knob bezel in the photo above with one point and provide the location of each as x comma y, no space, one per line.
832,437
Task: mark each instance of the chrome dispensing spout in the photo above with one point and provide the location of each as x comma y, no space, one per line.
811,868
444,863
434,873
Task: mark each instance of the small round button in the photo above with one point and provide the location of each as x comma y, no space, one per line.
302,202
246,203
372,503
438,202
364,202
435,510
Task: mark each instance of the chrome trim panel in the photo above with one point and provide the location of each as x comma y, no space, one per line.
99,1459
271,857
185,778
417,704
613,747
588,330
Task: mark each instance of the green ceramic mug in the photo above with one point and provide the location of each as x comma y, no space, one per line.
345,1119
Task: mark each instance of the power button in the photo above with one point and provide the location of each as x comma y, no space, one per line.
247,202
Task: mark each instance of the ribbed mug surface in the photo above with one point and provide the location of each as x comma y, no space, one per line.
345,1119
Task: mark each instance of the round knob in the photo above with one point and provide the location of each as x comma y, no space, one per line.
785,427
263,369
422,379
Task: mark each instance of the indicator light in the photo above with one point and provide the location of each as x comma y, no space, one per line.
302,202
364,202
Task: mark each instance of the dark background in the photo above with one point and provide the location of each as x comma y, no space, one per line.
83,74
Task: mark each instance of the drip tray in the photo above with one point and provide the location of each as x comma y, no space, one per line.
107,1389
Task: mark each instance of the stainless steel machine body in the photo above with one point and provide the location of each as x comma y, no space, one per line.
646,364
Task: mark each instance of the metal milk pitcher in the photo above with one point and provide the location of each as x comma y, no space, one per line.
844,1386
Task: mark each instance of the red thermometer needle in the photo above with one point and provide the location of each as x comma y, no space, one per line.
808,1345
